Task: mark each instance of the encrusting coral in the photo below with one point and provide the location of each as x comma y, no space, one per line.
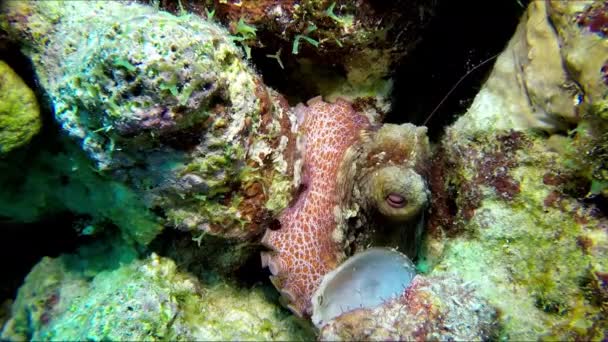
184,123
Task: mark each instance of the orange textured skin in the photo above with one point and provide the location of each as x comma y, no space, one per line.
303,250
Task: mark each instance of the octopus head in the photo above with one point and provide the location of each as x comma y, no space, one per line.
397,193
385,191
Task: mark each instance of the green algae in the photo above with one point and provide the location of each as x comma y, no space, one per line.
19,112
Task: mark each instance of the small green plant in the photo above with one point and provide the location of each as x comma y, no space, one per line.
597,187
182,11
343,21
105,129
210,15
124,63
296,42
245,30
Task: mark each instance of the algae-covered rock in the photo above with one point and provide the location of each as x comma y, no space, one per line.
74,297
520,235
517,181
165,106
19,113
430,309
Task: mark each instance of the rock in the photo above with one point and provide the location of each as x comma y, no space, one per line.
19,113
165,106
430,309
518,179
344,49
83,297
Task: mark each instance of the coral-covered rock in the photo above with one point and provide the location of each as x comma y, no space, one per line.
517,209
430,309
528,86
87,297
166,106
520,233
19,113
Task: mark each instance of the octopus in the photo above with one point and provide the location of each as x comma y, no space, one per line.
361,184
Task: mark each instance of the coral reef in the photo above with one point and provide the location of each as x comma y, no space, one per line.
83,297
184,123
19,113
360,187
186,130
518,181
162,121
519,234
430,309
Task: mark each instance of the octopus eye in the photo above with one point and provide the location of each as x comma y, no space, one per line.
397,193
395,200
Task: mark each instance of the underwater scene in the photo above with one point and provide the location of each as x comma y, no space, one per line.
299,170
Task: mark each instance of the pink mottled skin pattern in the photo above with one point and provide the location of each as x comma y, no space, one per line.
302,249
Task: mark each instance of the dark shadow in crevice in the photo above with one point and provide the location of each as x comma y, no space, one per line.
22,245
460,36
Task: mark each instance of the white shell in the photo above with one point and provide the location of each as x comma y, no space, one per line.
365,280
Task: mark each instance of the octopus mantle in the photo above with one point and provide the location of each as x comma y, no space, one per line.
305,248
